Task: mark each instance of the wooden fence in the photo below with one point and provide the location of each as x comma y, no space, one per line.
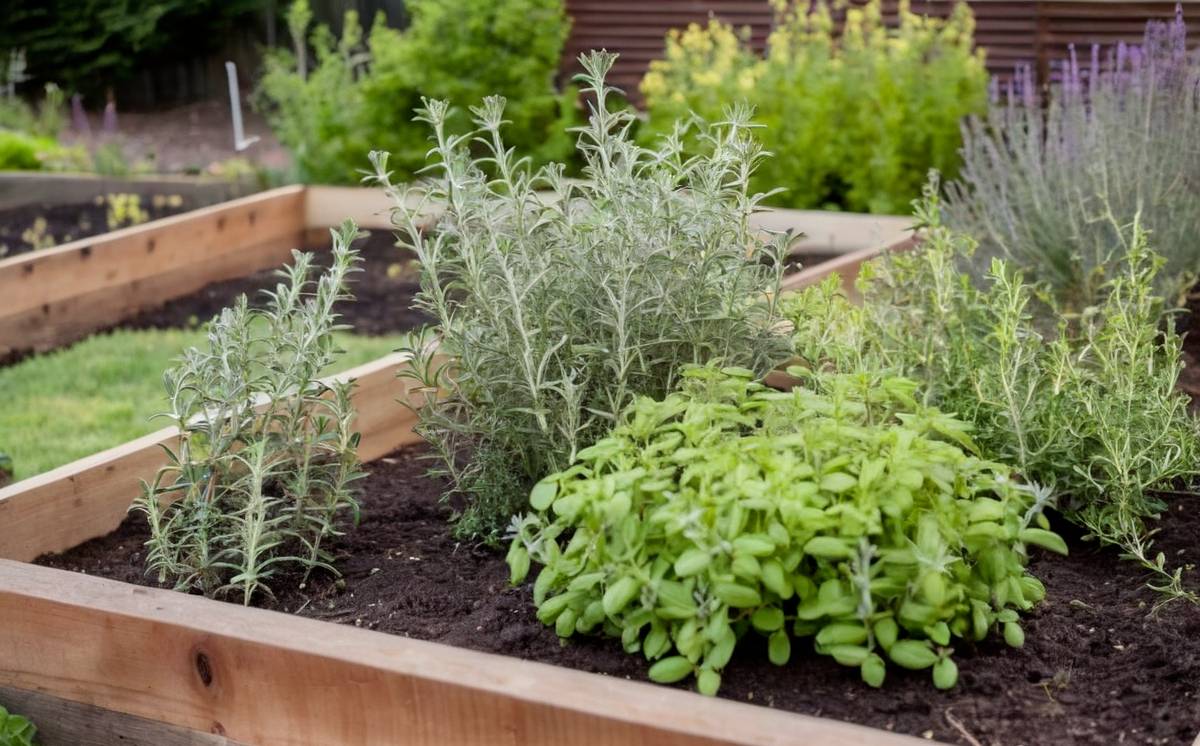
1012,31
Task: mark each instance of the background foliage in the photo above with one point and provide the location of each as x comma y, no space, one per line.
853,123
88,45
360,93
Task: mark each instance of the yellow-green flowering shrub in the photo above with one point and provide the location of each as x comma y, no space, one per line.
853,122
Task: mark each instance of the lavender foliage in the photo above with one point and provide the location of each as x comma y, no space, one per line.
1054,185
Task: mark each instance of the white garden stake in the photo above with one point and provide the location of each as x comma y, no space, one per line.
240,141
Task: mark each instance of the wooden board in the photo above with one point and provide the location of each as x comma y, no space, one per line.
87,498
18,188
63,722
845,266
57,295
268,678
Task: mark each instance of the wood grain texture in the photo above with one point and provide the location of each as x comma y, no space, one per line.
87,498
62,722
270,679
57,295
846,266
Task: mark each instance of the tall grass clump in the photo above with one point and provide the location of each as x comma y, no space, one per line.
1052,185
853,121
266,460
1084,405
558,303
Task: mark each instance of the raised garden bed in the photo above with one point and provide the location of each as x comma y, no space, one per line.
1089,643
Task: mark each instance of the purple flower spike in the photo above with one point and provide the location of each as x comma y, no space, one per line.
79,120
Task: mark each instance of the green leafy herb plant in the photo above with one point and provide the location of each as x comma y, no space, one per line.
1085,404
842,510
266,461
560,302
15,730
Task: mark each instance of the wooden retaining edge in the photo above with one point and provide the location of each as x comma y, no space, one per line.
60,509
58,295
63,722
266,678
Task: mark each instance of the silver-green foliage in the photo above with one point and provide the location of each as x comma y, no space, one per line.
15,730
841,510
1087,406
1053,187
558,302
266,459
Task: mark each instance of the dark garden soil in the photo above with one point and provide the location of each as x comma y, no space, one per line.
67,222
1188,324
1096,667
383,294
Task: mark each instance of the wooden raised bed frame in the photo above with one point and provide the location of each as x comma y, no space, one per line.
92,658
59,295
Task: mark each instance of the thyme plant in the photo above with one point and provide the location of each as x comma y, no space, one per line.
559,302
266,461
842,510
1053,187
1084,404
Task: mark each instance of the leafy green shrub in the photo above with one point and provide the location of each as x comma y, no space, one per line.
21,152
15,730
24,152
853,123
1054,187
1086,405
254,488
45,120
88,45
357,96
557,308
846,512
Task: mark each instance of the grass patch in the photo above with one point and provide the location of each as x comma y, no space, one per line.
102,392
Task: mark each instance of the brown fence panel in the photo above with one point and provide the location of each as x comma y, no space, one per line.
1014,32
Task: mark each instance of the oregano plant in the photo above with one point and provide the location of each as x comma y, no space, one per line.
559,302
266,461
842,510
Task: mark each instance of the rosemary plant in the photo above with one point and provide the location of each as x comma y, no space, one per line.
266,459
1053,187
1086,406
557,308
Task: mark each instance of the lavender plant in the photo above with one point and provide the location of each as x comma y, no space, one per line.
266,460
1053,188
558,308
1085,405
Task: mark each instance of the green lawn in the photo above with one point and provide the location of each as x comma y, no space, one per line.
101,392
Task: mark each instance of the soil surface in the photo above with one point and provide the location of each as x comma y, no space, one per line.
19,227
383,293
1188,324
1096,667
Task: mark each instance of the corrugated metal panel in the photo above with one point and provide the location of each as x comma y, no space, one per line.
1013,32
